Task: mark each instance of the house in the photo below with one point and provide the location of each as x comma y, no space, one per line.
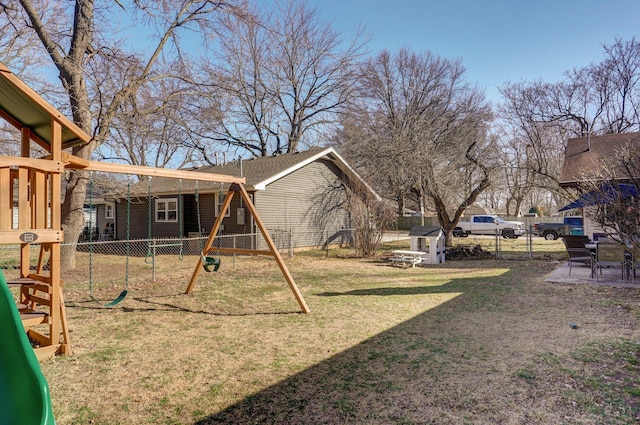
585,158
299,194
99,215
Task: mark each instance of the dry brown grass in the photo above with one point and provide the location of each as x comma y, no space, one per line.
482,342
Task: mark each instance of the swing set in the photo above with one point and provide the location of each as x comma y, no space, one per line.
125,291
31,187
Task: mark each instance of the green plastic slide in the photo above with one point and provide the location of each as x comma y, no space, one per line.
24,392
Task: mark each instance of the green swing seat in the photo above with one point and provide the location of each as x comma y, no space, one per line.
211,262
113,303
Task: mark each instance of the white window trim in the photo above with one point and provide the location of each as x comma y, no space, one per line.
167,201
109,207
219,205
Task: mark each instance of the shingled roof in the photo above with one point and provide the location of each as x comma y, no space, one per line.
587,154
259,172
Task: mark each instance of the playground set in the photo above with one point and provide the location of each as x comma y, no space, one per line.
34,326
31,190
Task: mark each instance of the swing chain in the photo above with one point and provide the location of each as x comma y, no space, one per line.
149,230
180,218
91,233
197,195
127,244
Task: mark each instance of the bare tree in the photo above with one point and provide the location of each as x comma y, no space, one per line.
151,129
597,99
419,126
619,78
283,76
19,52
370,218
616,185
101,70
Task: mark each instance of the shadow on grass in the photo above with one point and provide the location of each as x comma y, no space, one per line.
417,290
168,307
395,377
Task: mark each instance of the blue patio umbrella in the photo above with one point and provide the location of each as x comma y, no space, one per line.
606,194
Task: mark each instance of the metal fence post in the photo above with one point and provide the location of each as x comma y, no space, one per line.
234,254
290,243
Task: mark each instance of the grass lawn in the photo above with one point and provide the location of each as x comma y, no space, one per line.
478,342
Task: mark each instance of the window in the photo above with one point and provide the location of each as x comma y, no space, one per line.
167,209
219,201
108,211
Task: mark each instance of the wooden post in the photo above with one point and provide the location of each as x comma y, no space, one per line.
55,309
6,199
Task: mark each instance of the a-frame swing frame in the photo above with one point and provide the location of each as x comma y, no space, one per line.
236,188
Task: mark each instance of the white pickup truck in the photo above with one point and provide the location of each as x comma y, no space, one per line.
488,225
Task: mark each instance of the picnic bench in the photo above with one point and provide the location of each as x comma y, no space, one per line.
406,258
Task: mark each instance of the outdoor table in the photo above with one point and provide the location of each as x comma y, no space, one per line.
593,248
403,257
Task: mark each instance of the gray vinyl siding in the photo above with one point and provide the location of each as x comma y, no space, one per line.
101,220
139,226
138,220
208,215
307,202
231,226
189,209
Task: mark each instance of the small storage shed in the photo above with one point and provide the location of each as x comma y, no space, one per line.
429,240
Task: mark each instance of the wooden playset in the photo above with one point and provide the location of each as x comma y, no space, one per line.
31,190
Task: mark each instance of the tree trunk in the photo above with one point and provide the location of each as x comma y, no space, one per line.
73,209
448,238
73,214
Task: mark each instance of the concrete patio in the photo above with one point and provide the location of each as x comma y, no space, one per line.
582,274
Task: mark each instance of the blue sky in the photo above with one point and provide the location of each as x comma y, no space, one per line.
497,40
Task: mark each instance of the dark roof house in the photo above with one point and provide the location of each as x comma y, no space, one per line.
585,160
585,155
298,196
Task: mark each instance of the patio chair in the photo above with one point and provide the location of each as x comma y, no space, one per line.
575,241
577,251
610,255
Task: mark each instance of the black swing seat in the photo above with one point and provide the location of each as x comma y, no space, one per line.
211,262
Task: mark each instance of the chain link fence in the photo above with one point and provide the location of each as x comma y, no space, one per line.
120,262
112,263
525,247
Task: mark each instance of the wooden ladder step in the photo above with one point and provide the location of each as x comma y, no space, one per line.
32,318
46,352
22,281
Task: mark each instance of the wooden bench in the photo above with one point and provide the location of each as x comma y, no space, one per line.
406,258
